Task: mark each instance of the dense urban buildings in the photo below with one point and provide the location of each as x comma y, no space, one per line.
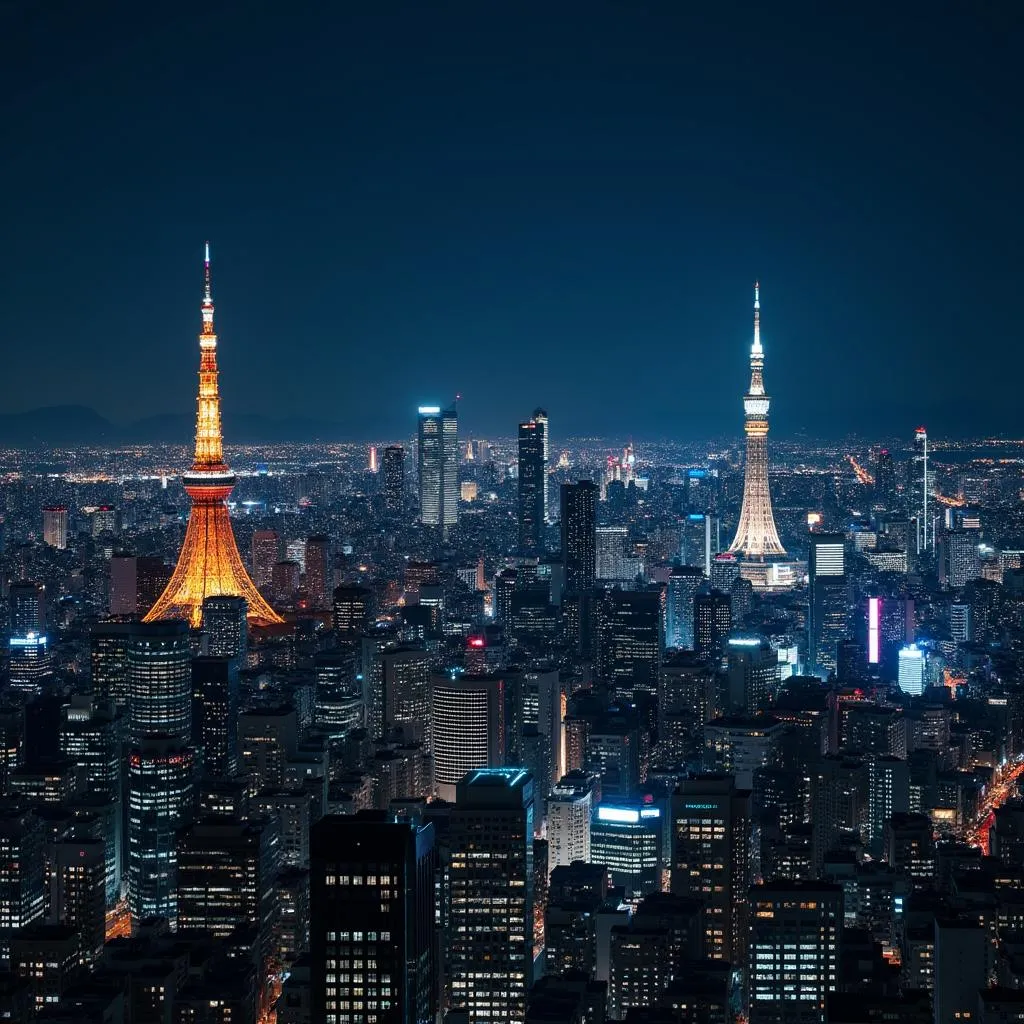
517,740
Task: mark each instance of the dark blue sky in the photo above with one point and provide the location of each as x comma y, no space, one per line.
551,203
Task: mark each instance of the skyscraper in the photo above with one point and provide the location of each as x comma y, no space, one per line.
491,917
711,859
579,536
532,484
467,724
215,704
160,771
209,562
393,471
540,417
794,950
438,444
55,526
756,536
828,600
683,583
225,623
319,571
885,480
925,537
160,681
712,623
372,944
264,553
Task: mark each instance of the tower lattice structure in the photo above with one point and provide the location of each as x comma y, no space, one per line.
756,536
209,564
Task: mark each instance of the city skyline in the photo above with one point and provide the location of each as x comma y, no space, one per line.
582,205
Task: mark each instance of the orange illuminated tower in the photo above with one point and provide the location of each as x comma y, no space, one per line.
209,564
756,536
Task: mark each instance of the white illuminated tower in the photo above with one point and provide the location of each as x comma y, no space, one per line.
756,536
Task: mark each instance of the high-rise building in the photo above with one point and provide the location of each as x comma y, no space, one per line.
911,670
226,875
828,601
795,929
467,725
963,558
579,536
393,472
319,571
885,480
78,870
756,536
438,449
27,608
264,554
632,642
209,562
29,663
491,923
925,533
160,773
337,692
215,705
405,674
532,486
373,955
712,624
160,680
124,585
628,837
683,584
226,625
55,526
613,561
108,657
711,859
22,865
569,807
352,611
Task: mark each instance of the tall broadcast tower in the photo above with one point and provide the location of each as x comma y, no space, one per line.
756,536
209,564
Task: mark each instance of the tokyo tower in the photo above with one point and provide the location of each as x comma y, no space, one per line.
756,536
209,564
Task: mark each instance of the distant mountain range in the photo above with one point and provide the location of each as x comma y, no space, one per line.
69,426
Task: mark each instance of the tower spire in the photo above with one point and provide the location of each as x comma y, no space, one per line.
756,535
209,444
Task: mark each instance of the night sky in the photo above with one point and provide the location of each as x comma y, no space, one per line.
560,204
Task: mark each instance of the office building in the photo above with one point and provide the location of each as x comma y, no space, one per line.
372,920
124,587
405,700
319,571
160,680
226,873
739,745
438,454
795,928
911,670
631,642
684,582
22,866
569,809
226,626
393,484
491,923
78,876
712,624
828,599
108,660
627,838
55,526
752,673
963,557
467,723
29,663
353,610
338,694
26,602
532,486
264,554
579,536
888,794
160,771
711,859
216,700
